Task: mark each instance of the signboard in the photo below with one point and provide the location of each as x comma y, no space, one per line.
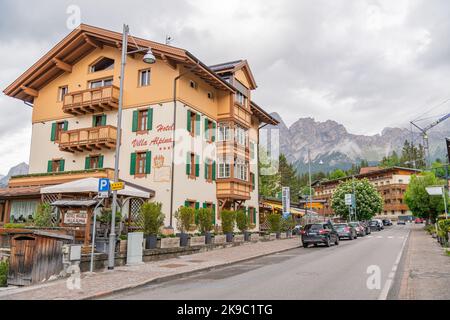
116,186
103,188
71,217
286,199
349,199
435,191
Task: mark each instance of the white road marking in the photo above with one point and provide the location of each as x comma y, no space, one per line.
369,236
387,286
390,237
379,237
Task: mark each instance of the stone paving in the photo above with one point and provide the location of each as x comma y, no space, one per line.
122,278
426,273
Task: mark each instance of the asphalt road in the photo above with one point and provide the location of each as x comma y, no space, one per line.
338,272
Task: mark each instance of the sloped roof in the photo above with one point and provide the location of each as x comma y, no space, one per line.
234,66
225,65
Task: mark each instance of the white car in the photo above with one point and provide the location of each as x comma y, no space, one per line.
380,222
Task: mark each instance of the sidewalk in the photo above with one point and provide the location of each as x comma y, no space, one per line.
122,278
426,269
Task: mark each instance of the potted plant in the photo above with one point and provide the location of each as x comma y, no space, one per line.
287,225
242,222
184,216
228,223
205,222
123,241
169,241
43,216
274,220
153,220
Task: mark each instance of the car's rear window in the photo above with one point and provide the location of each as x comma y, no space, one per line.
373,223
314,227
342,225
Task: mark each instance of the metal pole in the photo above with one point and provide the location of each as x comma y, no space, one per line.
445,201
310,183
112,235
354,195
93,237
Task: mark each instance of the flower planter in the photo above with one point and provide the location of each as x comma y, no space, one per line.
123,246
238,238
170,243
247,235
151,241
278,235
184,239
229,236
197,241
254,237
208,238
220,239
272,236
283,235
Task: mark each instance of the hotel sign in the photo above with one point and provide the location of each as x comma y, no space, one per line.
72,217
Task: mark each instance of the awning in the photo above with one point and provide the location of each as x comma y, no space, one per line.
90,185
74,203
291,210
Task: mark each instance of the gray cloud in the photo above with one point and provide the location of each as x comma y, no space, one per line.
368,64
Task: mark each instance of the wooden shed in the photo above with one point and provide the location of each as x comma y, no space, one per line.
35,256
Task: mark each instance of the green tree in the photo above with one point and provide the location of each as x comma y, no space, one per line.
43,216
153,217
242,220
274,220
419,201
228,221
368,201
337,174
205,220
269,177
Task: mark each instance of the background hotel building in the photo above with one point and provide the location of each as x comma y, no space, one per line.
74,92
391,183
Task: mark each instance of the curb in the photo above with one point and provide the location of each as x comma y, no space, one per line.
179,275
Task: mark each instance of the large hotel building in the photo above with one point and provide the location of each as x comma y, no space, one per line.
74,92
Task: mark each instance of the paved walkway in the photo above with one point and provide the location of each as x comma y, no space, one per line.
426,272
122,278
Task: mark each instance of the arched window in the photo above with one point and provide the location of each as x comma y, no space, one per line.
102,64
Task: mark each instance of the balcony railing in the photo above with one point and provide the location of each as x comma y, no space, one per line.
233,189
91,100
88,139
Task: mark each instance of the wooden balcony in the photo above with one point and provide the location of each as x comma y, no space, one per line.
88,139
91,101
233,189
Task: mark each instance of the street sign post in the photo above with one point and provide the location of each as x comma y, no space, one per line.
350,202
286,199
103,188
116,186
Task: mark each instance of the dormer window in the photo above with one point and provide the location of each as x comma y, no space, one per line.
102,64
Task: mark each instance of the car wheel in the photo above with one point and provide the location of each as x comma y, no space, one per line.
337,241
328,243
305,245
351,237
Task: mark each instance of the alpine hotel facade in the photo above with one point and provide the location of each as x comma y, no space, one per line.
74,93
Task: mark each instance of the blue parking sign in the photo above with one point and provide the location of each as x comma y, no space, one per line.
103,185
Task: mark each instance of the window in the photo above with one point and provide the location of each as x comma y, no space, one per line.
193,123
210,130
102,64
94,162
240,98
142,120
101,83
140,163
240,170
144,78
190,204
241,136
99,120
224,170
193,84
56,165
210,95
192,165
57,128
210,170
62,91
253,180
224,133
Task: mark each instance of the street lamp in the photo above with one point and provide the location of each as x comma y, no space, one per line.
309,174
437,191
148,58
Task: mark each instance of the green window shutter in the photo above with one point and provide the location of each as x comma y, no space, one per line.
186,203
189,121
133,164
66,125
205,205
197,166
206,129
100,161
197,206
49,166
197,124
148,162
188,163
214,171
253,181
214,214
150,119
62,164
135,121
213,138
93,121
254,215
53,134
87,163
103,119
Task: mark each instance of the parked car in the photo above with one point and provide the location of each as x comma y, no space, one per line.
319,233
360,229
345,230
418,220
375,225
387,222
366,226
381,223
401,221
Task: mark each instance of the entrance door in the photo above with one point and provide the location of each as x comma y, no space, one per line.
21,261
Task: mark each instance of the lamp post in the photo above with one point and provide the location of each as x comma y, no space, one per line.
148,58
310,182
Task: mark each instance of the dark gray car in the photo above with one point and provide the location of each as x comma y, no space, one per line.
345,230
319,233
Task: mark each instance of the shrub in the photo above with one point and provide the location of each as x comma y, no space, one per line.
274,220
242,221
3,273
205,220
228,221
14,225
153,217
184,216
43,216
106,216
287,224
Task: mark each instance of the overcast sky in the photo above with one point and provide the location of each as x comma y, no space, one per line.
367,64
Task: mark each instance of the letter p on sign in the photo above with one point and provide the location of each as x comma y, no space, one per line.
103,185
